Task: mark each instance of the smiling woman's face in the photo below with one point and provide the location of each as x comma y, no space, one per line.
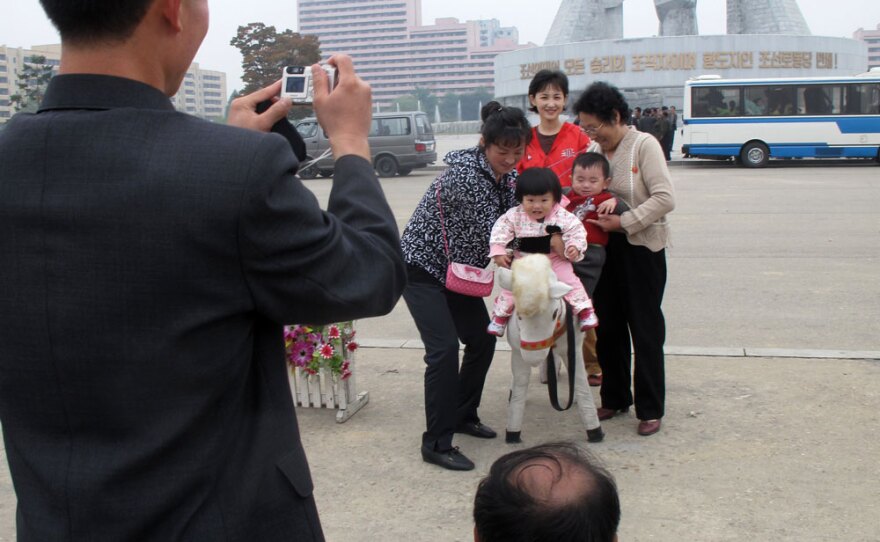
503,158
606,134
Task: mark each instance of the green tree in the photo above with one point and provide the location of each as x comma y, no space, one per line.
235,94
32,82
427,99
421,99
471,103
407,102
265,51
449,107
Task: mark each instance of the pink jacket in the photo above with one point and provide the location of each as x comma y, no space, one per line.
516,223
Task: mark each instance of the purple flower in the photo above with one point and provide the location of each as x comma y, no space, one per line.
301,353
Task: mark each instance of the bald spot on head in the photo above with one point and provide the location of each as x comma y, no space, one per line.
552,481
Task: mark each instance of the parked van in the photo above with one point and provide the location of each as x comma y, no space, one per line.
400,142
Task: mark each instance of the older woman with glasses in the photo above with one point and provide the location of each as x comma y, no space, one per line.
629,294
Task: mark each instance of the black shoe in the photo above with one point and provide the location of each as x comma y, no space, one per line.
513,437
595,435
476,429
450,459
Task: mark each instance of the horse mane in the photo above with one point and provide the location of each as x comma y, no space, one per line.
531,283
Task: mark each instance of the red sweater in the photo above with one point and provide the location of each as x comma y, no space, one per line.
569,142
584,207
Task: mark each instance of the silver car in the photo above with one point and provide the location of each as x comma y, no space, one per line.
400,142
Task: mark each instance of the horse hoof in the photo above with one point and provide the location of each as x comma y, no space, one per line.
513,437
595,435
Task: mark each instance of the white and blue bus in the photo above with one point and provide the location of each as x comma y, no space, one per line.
753,120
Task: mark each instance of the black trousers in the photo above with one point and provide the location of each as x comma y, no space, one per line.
666,143
627,301
452,394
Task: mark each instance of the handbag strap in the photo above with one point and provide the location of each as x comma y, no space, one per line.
442,226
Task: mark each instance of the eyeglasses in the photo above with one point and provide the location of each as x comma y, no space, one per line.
592,131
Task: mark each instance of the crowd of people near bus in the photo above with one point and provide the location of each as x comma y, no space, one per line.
660,122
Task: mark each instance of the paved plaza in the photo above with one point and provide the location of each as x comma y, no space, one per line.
773,380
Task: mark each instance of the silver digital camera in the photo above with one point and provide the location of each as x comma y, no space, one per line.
297,84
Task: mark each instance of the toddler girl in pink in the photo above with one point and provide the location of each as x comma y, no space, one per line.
533,222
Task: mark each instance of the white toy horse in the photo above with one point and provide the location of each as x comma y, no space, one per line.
538,322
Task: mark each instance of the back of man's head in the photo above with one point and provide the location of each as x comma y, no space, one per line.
549,493
83,22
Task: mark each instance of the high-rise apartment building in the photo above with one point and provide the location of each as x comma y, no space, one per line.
396,54
11,61
872,39
203,92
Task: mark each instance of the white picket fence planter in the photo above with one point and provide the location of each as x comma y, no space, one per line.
324,391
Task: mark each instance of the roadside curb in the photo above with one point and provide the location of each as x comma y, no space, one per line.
685,351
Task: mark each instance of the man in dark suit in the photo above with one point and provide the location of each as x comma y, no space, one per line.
148,260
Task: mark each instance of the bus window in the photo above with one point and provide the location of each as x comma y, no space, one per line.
862,99
755,101
716,101
781,100
818,100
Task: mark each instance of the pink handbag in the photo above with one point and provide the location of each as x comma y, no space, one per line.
469,280
462,278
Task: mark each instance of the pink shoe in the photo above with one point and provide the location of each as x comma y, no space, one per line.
587,319
497,326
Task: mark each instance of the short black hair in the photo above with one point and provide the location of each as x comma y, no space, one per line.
547,78
537,181
504,510
602,100
506,126
94,21
592,159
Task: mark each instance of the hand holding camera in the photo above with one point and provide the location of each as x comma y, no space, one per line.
346,111
297,83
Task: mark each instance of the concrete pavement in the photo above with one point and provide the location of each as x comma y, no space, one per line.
771,431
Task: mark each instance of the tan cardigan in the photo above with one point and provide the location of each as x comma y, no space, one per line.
642,180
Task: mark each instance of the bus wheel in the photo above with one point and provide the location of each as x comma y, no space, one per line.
386,166
755,154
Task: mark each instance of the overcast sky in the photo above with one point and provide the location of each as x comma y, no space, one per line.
23,24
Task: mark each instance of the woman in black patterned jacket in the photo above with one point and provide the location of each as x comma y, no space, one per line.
476,189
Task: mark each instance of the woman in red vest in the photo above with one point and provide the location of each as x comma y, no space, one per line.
554,143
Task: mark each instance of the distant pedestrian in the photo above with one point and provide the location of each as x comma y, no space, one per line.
667,132
673,130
